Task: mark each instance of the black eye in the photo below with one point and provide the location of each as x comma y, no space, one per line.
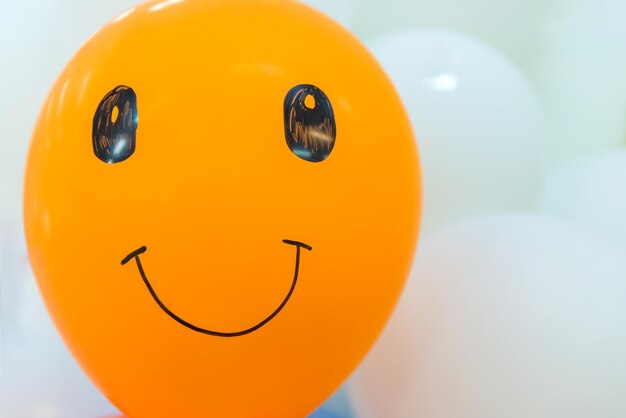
115,126
310,127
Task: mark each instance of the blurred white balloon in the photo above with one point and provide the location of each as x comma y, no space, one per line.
580,69
340,10
511,26
38,377
478,123
592,191
518,316
28,37
83,18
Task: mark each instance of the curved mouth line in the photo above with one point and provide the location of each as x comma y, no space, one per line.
135,255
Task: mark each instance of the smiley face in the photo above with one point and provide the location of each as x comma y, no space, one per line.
309,130
221,207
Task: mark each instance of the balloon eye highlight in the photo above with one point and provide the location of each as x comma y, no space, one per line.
114,114
115,126
310,128
309,102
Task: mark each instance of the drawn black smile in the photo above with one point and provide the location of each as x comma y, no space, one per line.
135,254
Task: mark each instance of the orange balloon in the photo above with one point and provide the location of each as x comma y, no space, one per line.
221,207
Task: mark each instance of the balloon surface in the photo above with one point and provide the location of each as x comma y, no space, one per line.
516,315
343,11
591,191
477,120
580,69
513,26
221,207
29,65
38,376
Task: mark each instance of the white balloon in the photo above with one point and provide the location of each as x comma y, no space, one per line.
38,376
511,26
580,69
518,316
83,18
478,123
591,191
28,47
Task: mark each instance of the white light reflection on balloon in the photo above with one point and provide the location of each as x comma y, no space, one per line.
164,4
443,82
123,16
